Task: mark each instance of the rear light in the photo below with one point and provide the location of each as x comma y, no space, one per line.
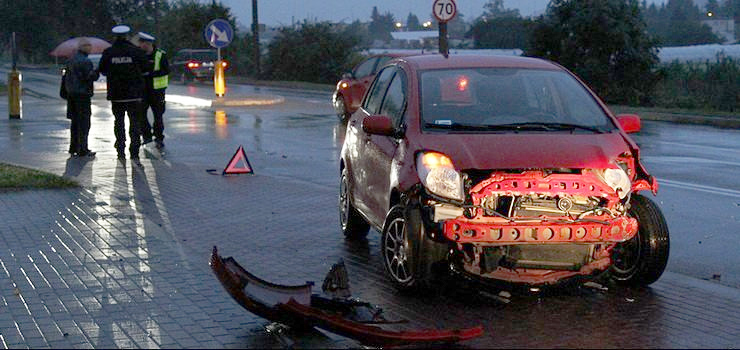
224,64
462,83
192,65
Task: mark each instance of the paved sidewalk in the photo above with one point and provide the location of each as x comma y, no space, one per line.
123,261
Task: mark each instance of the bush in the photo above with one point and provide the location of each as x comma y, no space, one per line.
706,85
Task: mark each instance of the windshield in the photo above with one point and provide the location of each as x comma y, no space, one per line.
490,99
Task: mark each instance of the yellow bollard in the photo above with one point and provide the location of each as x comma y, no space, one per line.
219,81
14,94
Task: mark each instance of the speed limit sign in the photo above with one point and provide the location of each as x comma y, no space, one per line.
444,10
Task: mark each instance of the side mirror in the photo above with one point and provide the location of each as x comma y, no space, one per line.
378,125
630,123
347,76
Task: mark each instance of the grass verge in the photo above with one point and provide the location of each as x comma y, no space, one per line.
15,178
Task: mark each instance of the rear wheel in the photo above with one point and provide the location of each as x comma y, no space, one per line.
410,258
642,260
352,223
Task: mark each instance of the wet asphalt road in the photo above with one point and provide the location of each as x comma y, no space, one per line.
299,141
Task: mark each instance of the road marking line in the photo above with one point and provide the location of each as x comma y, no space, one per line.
701,188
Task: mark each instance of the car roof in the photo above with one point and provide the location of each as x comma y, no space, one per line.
438,61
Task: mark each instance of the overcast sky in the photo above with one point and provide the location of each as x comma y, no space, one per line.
285,12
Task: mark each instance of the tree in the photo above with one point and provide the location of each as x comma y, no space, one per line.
501,33
678,23
712,7
381,26
495,9
315,52
70,18
185,22
142,15
603,42
412,22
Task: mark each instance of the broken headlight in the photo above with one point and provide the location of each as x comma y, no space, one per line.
439,176
618,180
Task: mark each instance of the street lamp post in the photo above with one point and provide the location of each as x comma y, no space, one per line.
256,33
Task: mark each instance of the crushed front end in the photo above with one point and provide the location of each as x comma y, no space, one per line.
535,226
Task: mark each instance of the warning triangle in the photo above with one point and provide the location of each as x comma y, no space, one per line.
239,164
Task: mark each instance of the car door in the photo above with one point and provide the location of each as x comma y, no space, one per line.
380,150
359,166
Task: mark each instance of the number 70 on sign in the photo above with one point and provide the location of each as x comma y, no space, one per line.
444,10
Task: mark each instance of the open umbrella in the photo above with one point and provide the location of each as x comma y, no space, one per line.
69,47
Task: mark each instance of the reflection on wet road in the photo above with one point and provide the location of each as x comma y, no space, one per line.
122,262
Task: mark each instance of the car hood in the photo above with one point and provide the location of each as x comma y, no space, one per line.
522,151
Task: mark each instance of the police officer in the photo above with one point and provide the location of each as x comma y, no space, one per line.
125,66
156,84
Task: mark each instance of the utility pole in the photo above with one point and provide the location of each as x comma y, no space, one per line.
256,34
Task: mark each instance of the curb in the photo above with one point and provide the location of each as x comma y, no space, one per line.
247,101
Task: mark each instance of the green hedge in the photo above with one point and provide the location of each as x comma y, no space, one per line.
710,85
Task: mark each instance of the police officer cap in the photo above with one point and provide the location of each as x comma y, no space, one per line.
121,29
145,37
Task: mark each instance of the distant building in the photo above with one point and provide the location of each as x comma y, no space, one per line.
415,39
723,28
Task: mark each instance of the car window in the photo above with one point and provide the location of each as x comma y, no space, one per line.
382,61
395,99
380,85
498,96
365,68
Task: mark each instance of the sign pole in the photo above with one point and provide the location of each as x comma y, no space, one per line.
443,45
444,11
219,80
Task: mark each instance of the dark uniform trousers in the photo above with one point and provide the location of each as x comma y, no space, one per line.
133,109
155,100
79,112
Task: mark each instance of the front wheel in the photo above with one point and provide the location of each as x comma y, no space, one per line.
409,256
642,260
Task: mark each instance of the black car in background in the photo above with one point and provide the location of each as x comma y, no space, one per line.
194,64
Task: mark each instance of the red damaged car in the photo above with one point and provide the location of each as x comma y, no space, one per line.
499,168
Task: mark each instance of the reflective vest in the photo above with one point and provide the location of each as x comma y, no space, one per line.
163,81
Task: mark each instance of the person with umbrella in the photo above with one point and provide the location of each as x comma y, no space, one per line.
125,66
78,83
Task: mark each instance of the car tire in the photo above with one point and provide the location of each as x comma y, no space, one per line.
642,260
353,225
410,258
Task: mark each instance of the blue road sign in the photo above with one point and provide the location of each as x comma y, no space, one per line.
219,33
